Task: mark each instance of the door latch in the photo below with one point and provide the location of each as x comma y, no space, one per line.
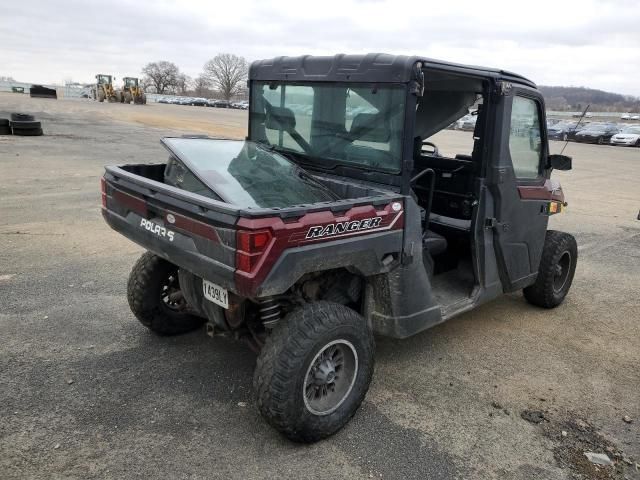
494,224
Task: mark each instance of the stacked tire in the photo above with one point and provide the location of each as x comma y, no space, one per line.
21,124
5,126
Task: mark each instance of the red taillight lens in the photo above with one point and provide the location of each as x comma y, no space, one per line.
103,189
250,246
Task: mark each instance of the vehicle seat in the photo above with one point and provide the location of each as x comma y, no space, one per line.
370,127
434,243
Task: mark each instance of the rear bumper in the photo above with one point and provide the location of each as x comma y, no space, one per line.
623,143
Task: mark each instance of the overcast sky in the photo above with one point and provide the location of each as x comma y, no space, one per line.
562,42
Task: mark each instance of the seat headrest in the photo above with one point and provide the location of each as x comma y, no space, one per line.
370,127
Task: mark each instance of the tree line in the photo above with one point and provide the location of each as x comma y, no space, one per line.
224,76
577,98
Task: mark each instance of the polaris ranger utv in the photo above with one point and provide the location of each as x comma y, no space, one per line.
338,218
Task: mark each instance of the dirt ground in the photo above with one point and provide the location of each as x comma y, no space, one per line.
87,392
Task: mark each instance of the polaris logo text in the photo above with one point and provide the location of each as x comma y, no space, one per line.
157,229
333,229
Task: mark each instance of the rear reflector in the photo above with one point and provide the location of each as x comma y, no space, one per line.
250,247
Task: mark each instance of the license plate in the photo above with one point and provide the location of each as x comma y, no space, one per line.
215,293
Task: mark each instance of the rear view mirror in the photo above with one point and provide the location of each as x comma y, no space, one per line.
280,118
560,162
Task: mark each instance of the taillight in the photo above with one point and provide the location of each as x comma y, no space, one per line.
103,189
250,246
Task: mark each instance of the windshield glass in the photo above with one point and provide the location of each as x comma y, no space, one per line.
243,173
348,124
561,125
631,130
595,127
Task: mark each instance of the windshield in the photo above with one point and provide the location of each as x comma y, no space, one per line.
595,127
561,125
348,124
631,130
104,79
242,173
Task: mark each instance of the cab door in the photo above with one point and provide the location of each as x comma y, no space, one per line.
518,183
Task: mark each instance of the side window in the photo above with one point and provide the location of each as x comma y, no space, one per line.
525,144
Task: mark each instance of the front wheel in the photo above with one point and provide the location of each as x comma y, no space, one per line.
314,371
155,298
565,137
600,141
556,271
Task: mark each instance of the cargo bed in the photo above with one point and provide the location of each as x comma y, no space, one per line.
200,234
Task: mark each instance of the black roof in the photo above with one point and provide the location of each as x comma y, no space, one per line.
372,67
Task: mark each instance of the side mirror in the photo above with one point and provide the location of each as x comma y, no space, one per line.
559,162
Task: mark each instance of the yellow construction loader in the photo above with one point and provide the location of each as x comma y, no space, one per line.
132,91
104,89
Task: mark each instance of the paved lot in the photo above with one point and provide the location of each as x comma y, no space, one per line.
86,392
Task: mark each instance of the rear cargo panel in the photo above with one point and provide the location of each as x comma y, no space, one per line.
179,231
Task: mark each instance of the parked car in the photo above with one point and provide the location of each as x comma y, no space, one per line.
625,116
563,131
242,105
467,123
222,104
629,137
597,133
199,102
635,117
553,121
579,114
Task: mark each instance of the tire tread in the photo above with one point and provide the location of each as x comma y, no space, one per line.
284,354
541,293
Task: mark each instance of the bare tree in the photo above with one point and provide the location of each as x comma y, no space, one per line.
226,72
201,86
183,83
161,75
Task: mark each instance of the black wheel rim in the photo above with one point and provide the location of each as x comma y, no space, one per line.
561,272
170,293
330,377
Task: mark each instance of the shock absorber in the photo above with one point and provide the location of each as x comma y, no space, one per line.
269,311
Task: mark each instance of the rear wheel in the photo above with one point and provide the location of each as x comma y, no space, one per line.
314,371
556,271
565,137
101,96
155,298
600,140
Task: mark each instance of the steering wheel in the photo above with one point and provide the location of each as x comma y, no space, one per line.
435,152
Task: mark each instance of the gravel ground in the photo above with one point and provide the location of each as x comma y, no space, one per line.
87,392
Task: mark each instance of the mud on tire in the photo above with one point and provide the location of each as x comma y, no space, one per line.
556,271
154,296
290,394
